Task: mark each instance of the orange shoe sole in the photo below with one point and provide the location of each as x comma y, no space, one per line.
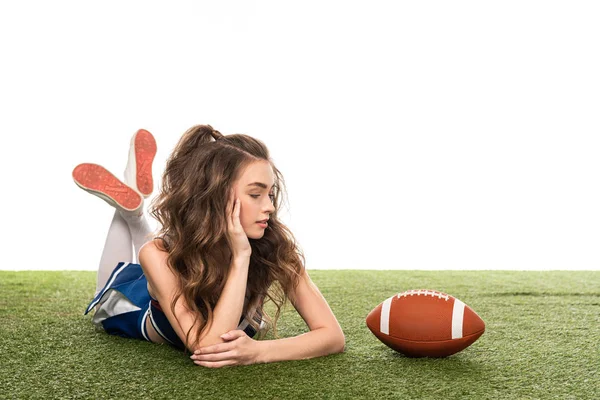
98,180
145,150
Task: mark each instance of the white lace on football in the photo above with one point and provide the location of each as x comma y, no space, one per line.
424,292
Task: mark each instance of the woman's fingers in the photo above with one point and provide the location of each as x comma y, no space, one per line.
230,207
226,355
236,214
233,211
215,348
219,364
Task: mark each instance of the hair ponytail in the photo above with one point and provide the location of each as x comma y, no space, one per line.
215,133
195,137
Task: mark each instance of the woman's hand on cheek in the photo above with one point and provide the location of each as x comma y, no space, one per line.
237,235
239,349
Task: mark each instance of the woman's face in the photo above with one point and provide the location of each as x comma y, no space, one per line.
256,201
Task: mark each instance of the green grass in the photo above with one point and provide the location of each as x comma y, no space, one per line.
542,341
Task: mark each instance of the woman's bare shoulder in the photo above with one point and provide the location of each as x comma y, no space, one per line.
155,244
152,254
153,259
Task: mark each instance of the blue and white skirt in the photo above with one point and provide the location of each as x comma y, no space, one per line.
123,303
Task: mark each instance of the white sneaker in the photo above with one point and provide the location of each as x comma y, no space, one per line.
97,180
138,173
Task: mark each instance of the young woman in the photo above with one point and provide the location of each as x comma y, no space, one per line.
199,282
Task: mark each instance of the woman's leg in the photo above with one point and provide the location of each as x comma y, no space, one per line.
117,248
124,229
139,230
138,175
129,222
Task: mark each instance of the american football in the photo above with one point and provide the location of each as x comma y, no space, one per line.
425,323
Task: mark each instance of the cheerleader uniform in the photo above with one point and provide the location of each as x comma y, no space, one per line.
124,304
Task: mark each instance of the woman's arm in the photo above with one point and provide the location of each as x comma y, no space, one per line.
325,336
227,312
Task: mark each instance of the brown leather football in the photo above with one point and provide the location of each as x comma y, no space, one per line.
425,323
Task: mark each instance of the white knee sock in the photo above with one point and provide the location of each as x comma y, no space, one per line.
138,224
117,248
124,229
138,228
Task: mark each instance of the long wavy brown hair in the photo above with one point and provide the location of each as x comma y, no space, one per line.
191,210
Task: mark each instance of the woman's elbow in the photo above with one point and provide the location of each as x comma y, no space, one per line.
343,343
208,340
340,342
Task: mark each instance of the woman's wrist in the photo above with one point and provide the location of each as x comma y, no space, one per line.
241,261
263,349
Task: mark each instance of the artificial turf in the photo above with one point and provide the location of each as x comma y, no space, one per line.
542,341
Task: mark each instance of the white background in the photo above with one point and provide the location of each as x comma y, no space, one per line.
412,135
